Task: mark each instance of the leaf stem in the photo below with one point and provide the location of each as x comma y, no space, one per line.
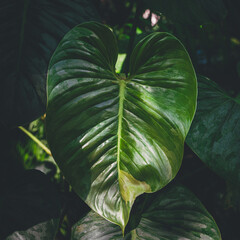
40,144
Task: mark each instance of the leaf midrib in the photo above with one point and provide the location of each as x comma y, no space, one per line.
122,85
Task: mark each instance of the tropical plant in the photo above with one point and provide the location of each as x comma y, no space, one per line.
119,108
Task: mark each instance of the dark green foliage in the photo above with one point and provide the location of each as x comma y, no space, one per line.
30,31
190,12
41,231
215,132
174,213
28,199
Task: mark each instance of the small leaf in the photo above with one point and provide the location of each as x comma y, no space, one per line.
215,133
41,231
30,32
113,137
174,213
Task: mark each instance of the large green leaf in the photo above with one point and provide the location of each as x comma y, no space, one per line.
174,213
26,200
115,138
215,133
189,11
30,31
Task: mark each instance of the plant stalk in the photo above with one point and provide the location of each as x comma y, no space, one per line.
40,144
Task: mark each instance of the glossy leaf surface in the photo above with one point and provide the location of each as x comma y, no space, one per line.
30,32
174,213
41,231
27,200
115,138
215,133
190,12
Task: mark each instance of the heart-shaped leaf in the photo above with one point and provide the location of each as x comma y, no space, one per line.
115,138
30,32
174,213
215,133
27,200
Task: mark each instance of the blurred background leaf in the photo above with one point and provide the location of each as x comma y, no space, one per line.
27,199
190,12
215,132
30,32
41,231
